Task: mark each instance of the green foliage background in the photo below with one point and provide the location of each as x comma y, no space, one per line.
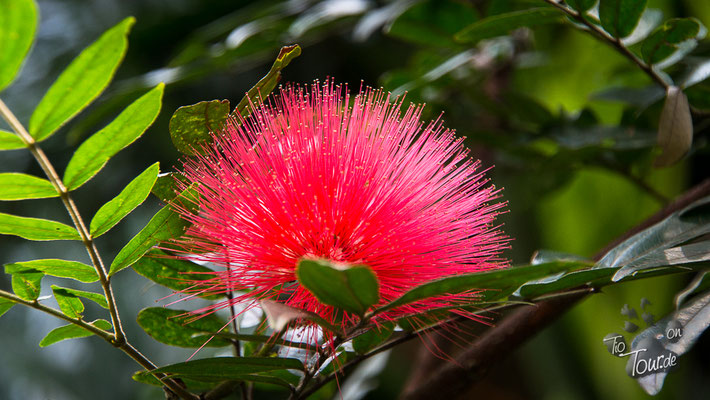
571,203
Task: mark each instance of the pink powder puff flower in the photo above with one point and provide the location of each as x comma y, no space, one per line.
312,175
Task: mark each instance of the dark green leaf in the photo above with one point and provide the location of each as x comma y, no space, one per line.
93,154
582,5
620,17
433,23
675,128
18,22
165,224
226,368
70,304
165,187
36,229
675,256
191,126
199,386
262,88
5,305
175,274
72,331
373,338
97,298
27,283
682,226
502,24
591,277
59,268
83,80
351,288
497,284
16,186
665,39
10,141
130,197
172,327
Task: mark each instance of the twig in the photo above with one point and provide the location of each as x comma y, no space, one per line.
614,42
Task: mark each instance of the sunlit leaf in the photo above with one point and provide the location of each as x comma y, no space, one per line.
165,224
10,141
83,80
178,328
262,89
620,17
97,298
58,268
191,126
36,228
5,305
27,283
18,23
130,197
352,288
16,186
70,304
72,331
93,154
675,128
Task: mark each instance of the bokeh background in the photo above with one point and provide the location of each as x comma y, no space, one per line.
510,96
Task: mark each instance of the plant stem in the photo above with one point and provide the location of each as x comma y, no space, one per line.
615,42
118,338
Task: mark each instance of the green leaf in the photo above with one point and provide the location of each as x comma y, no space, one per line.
433,23
177,328
146,377
502,24
497,284
373,338
165,224
675,256
582,5
226,368
10,141
191,126
130,197
699,284
97,298
175,274
36,228
682,226
351,288
266,84
165,187
665,39
93,154
72,331
27,284
620,17
70,304
5,305
18,23
59,268
83,80
16,186
675,128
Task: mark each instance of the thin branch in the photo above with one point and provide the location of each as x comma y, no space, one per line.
614,42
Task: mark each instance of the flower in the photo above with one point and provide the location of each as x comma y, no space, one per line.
312,175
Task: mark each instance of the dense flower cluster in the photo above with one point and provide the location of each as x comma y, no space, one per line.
316,173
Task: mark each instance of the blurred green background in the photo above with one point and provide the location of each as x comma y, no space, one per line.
534,104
